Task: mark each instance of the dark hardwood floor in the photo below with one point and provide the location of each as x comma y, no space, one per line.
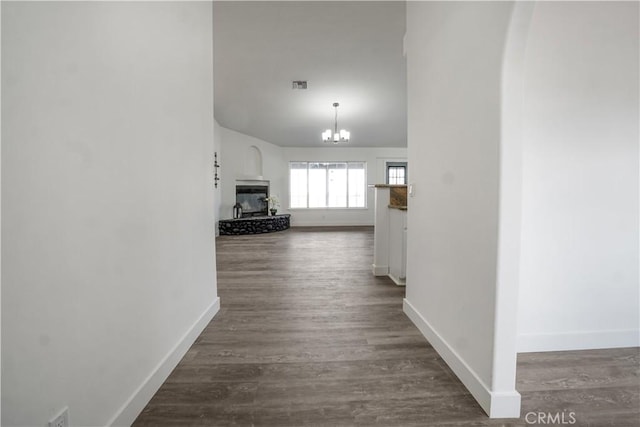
308,336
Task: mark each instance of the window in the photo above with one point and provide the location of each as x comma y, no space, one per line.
327,185
396,173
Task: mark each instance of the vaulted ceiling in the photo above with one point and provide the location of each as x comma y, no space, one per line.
349,52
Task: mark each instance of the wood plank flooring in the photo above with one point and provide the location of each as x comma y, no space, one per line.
308,336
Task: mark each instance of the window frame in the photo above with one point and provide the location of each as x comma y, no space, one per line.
327,162
390,165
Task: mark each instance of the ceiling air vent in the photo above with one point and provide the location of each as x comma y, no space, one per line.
299,84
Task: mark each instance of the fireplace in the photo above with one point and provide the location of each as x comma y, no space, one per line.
251,198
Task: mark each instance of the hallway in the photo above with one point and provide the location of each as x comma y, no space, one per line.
308,336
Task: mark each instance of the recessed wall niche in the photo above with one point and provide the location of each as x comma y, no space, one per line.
253,162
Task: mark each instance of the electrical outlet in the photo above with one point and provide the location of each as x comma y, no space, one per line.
60,420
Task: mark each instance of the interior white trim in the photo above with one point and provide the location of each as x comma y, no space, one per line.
380,270
495,404
327,223
127,414
590,340
251,180
397,281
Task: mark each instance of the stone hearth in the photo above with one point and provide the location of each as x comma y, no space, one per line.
254,225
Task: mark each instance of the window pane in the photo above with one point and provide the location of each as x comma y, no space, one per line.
327,185
357,185
337,185
317,185
396,175
298,185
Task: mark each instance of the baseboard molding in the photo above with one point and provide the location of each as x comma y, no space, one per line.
127,414
397,281
590,340
380,270
495,404
330,224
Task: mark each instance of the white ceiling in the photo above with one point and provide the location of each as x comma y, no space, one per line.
350,52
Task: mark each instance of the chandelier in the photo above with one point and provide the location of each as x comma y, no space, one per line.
335,136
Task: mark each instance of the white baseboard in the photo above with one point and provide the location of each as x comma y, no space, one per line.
397,281
495,404
380,270
590,340
127,414
330,224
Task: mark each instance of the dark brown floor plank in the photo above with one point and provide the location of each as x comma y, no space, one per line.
306,336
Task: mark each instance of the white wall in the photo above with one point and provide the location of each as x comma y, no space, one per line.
0,214
579,272
276,170
454,62
375,159
107,249
235,148
217,148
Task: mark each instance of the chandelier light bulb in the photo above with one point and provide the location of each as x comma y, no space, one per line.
335,136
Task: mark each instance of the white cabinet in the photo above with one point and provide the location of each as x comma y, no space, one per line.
381,233
390,235
398,245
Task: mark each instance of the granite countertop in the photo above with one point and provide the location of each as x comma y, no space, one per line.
402,208
387,185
